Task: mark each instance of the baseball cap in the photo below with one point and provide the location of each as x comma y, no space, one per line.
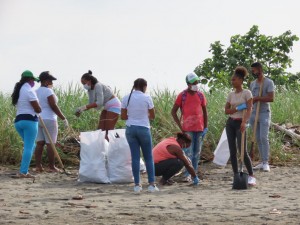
46,76
191,78
29,74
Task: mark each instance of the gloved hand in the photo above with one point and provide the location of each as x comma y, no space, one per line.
204,132
196,180
241,107
80,110
66,123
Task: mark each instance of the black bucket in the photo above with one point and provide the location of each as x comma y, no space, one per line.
240,181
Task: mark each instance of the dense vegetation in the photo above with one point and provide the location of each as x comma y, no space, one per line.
284,109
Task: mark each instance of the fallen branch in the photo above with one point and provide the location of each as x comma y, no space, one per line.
286,131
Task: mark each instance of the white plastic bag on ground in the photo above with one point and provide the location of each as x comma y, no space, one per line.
93,149
221,154
119,158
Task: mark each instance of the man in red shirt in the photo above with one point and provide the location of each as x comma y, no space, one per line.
193,120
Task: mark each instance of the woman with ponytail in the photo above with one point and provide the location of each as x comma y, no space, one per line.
101,95
26,121
137,110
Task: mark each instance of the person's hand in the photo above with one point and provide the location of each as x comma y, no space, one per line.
80,110
66,123
243,127
204,132
195,180
241,107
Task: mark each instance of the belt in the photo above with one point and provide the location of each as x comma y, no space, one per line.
239,119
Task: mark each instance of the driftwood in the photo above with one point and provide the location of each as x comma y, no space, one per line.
286,131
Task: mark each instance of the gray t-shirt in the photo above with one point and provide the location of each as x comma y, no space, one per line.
268,87
100,94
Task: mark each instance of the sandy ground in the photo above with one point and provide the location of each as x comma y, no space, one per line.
49,200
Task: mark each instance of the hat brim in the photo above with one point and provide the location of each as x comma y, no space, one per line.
193,80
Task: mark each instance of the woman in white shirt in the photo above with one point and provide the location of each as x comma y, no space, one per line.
137,109
50,110
26,121
238,100
101,95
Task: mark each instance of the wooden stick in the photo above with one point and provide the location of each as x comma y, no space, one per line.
52,145
253,140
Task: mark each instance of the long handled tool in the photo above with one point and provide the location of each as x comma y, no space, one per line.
253,139
240,180
53,146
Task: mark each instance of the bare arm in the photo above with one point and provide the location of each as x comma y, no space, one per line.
151,114
36,106
268,98
55,108
247,115
177,151
175,117
228,109
124,115
204,109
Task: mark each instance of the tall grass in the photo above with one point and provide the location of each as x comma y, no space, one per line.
285,109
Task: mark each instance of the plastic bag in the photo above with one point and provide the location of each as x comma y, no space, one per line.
221,154
93,150
119,157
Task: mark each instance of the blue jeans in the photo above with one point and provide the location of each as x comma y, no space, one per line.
28,131
262,134
139,137
194,151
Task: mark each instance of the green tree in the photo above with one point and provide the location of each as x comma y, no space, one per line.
272,52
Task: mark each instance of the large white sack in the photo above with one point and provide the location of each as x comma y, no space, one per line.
221,154
93,149
119,157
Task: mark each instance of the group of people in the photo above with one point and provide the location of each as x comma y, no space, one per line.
169,156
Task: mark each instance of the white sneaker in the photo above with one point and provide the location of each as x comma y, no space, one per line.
251,181
258,167
153,188
137,189
266,167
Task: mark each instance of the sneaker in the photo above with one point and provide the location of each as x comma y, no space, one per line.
266,167
258,167
251,180
187,179
153,188
137,189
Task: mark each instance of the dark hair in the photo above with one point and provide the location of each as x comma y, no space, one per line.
257,65
138,84
241,72
89,76
16,93
185,137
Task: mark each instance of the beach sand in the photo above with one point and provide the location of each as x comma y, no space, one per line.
49,200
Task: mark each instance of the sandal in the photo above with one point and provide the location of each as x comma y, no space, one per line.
39,170
22,175
54,170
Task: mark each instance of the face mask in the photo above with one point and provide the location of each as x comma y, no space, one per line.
255,75
31,83
87,87
194,87
50,86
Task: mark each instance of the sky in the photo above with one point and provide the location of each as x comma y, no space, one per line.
122,40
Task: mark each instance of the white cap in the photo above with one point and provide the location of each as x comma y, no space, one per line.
191,78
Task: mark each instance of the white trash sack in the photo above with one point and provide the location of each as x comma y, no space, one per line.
93,150
221,154
119,158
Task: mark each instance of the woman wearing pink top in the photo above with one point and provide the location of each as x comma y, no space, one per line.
169,158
